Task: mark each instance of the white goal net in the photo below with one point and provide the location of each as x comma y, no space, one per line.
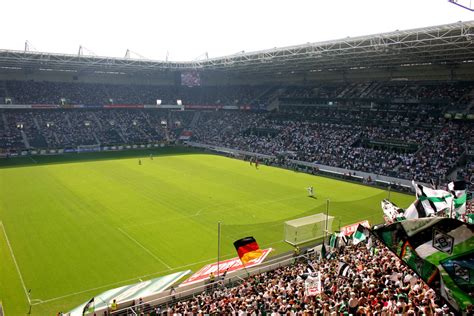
306,229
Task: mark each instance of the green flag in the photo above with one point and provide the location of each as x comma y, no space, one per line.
440,251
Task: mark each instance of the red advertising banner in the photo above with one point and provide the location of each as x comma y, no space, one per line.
350,229
229,265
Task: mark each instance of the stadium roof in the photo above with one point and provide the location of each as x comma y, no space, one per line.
450,44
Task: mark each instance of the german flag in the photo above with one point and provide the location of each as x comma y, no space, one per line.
248,249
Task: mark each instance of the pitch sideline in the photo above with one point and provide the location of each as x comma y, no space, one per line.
16,263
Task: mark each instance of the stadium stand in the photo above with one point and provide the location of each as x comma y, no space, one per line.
355,132
378,284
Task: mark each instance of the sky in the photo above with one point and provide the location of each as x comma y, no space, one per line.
184,30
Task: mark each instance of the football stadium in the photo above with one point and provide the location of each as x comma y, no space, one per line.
327,178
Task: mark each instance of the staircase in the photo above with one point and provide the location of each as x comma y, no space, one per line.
96,119
3,91
97,141
346,90
471,96
56,137
35,120
274,99
372,87
147,119
25,140
68,121
5,123
195,120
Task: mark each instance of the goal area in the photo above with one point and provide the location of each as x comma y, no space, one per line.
306,229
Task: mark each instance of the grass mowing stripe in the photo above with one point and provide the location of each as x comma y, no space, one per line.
16,263
144,248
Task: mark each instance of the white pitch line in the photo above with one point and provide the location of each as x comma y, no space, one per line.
33,159
144,248
16,263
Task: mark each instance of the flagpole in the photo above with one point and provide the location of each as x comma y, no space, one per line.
327,216
218,246
452,206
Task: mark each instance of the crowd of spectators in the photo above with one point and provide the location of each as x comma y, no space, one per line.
394,143
44,129
404,148
379,285
44,92
439,154
400,139
440,92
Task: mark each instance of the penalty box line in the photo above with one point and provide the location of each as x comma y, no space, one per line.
16,263
208,210
144,248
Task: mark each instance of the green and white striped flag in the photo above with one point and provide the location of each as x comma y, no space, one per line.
344,270
337,240
458,189
440,250
432,201
360,234
392,212
416,210
470,218
323,252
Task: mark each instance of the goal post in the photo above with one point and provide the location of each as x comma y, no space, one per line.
306,229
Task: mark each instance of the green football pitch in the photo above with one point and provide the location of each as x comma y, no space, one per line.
70,229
